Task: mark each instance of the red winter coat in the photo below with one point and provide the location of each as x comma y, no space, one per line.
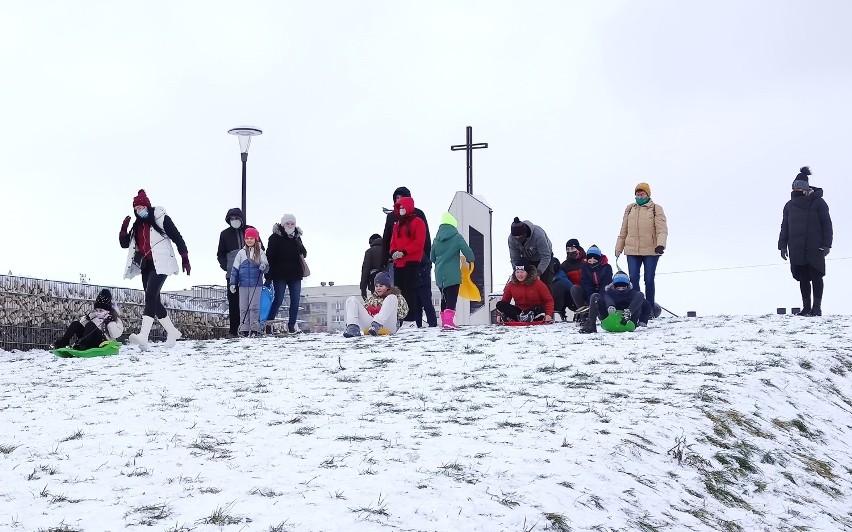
527,295
409,234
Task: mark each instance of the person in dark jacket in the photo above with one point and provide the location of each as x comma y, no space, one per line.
151,255
101,323
231,241
594,277
806,234
567,276
285,253
619,295
408,239
373,263
529,242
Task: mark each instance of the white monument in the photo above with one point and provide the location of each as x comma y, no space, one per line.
474,224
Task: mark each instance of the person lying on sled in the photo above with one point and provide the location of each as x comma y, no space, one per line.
533,301
98,325
380,313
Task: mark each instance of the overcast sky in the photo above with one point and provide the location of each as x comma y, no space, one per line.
715,104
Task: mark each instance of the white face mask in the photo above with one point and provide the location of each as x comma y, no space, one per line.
402,211
289,229
236,224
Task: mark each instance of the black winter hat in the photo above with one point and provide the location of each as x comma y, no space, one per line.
519,228
801,181
572,243
373,237
402,192
104,300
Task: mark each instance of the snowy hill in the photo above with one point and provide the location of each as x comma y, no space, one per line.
720,423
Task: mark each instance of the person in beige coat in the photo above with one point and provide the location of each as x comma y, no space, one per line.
643,238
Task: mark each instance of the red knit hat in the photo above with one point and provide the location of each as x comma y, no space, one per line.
141,199
251,232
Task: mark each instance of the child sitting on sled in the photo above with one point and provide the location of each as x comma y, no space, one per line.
380,313
533,301
98,325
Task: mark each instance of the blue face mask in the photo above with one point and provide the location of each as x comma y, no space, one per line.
642,201
143,213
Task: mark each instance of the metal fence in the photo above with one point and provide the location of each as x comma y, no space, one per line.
34,312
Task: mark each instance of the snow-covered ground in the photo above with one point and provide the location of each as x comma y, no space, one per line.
718,423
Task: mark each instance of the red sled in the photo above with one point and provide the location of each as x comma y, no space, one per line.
523,323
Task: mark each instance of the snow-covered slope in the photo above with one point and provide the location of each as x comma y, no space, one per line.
720,423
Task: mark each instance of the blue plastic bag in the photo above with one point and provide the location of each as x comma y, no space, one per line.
266,296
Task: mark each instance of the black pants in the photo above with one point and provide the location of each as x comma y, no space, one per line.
87,337
152,283
405,278
511,312
563,296
450,297
806,276
638,309
233,312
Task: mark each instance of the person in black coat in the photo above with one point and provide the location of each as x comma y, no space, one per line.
231,241
806,235
285,253
373,263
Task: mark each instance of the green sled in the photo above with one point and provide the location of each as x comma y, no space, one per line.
106,349
612,323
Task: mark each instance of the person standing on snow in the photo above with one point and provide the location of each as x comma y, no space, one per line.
643,236
285,253
374,262
152,256
446,248
528,242
247,271
231,241
807,234
406,250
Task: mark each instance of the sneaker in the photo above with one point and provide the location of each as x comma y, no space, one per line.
588,328
352,330
539,317
374,328
557,317
293,329
642,324
405,325
525,317
625,316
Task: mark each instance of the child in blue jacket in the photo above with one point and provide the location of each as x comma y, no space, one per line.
247,274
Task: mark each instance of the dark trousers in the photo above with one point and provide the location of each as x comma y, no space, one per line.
294,288
450,297
233,312
563,296
424,304
405,278
152,283
87,337
635,263
578,295
512,312
639,310
807,276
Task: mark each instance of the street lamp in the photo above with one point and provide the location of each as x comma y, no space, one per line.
245,133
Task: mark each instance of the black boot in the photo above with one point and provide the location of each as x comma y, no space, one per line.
806,307
817,308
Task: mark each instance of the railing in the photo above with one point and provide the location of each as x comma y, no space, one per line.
34,312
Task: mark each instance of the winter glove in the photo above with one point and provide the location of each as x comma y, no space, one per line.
185,263
825,251
397,255
124,226
659,250
610,310
233,288
784,254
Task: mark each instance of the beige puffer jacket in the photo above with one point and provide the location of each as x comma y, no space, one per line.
642,230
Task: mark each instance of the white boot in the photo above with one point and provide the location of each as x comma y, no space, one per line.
172,333
141,339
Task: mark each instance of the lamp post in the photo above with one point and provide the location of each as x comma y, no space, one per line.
245,133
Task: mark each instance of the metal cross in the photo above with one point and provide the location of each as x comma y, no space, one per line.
469,146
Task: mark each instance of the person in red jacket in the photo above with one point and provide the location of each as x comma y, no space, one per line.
406,250
533,301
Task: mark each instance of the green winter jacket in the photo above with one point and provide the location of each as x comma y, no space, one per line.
445,252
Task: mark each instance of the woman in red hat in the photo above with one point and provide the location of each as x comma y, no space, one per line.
151,255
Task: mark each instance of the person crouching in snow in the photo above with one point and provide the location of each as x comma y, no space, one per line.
446,248
533,301
247,274
98,325
618,295
379,313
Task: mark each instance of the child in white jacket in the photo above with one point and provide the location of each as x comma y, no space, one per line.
96,326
